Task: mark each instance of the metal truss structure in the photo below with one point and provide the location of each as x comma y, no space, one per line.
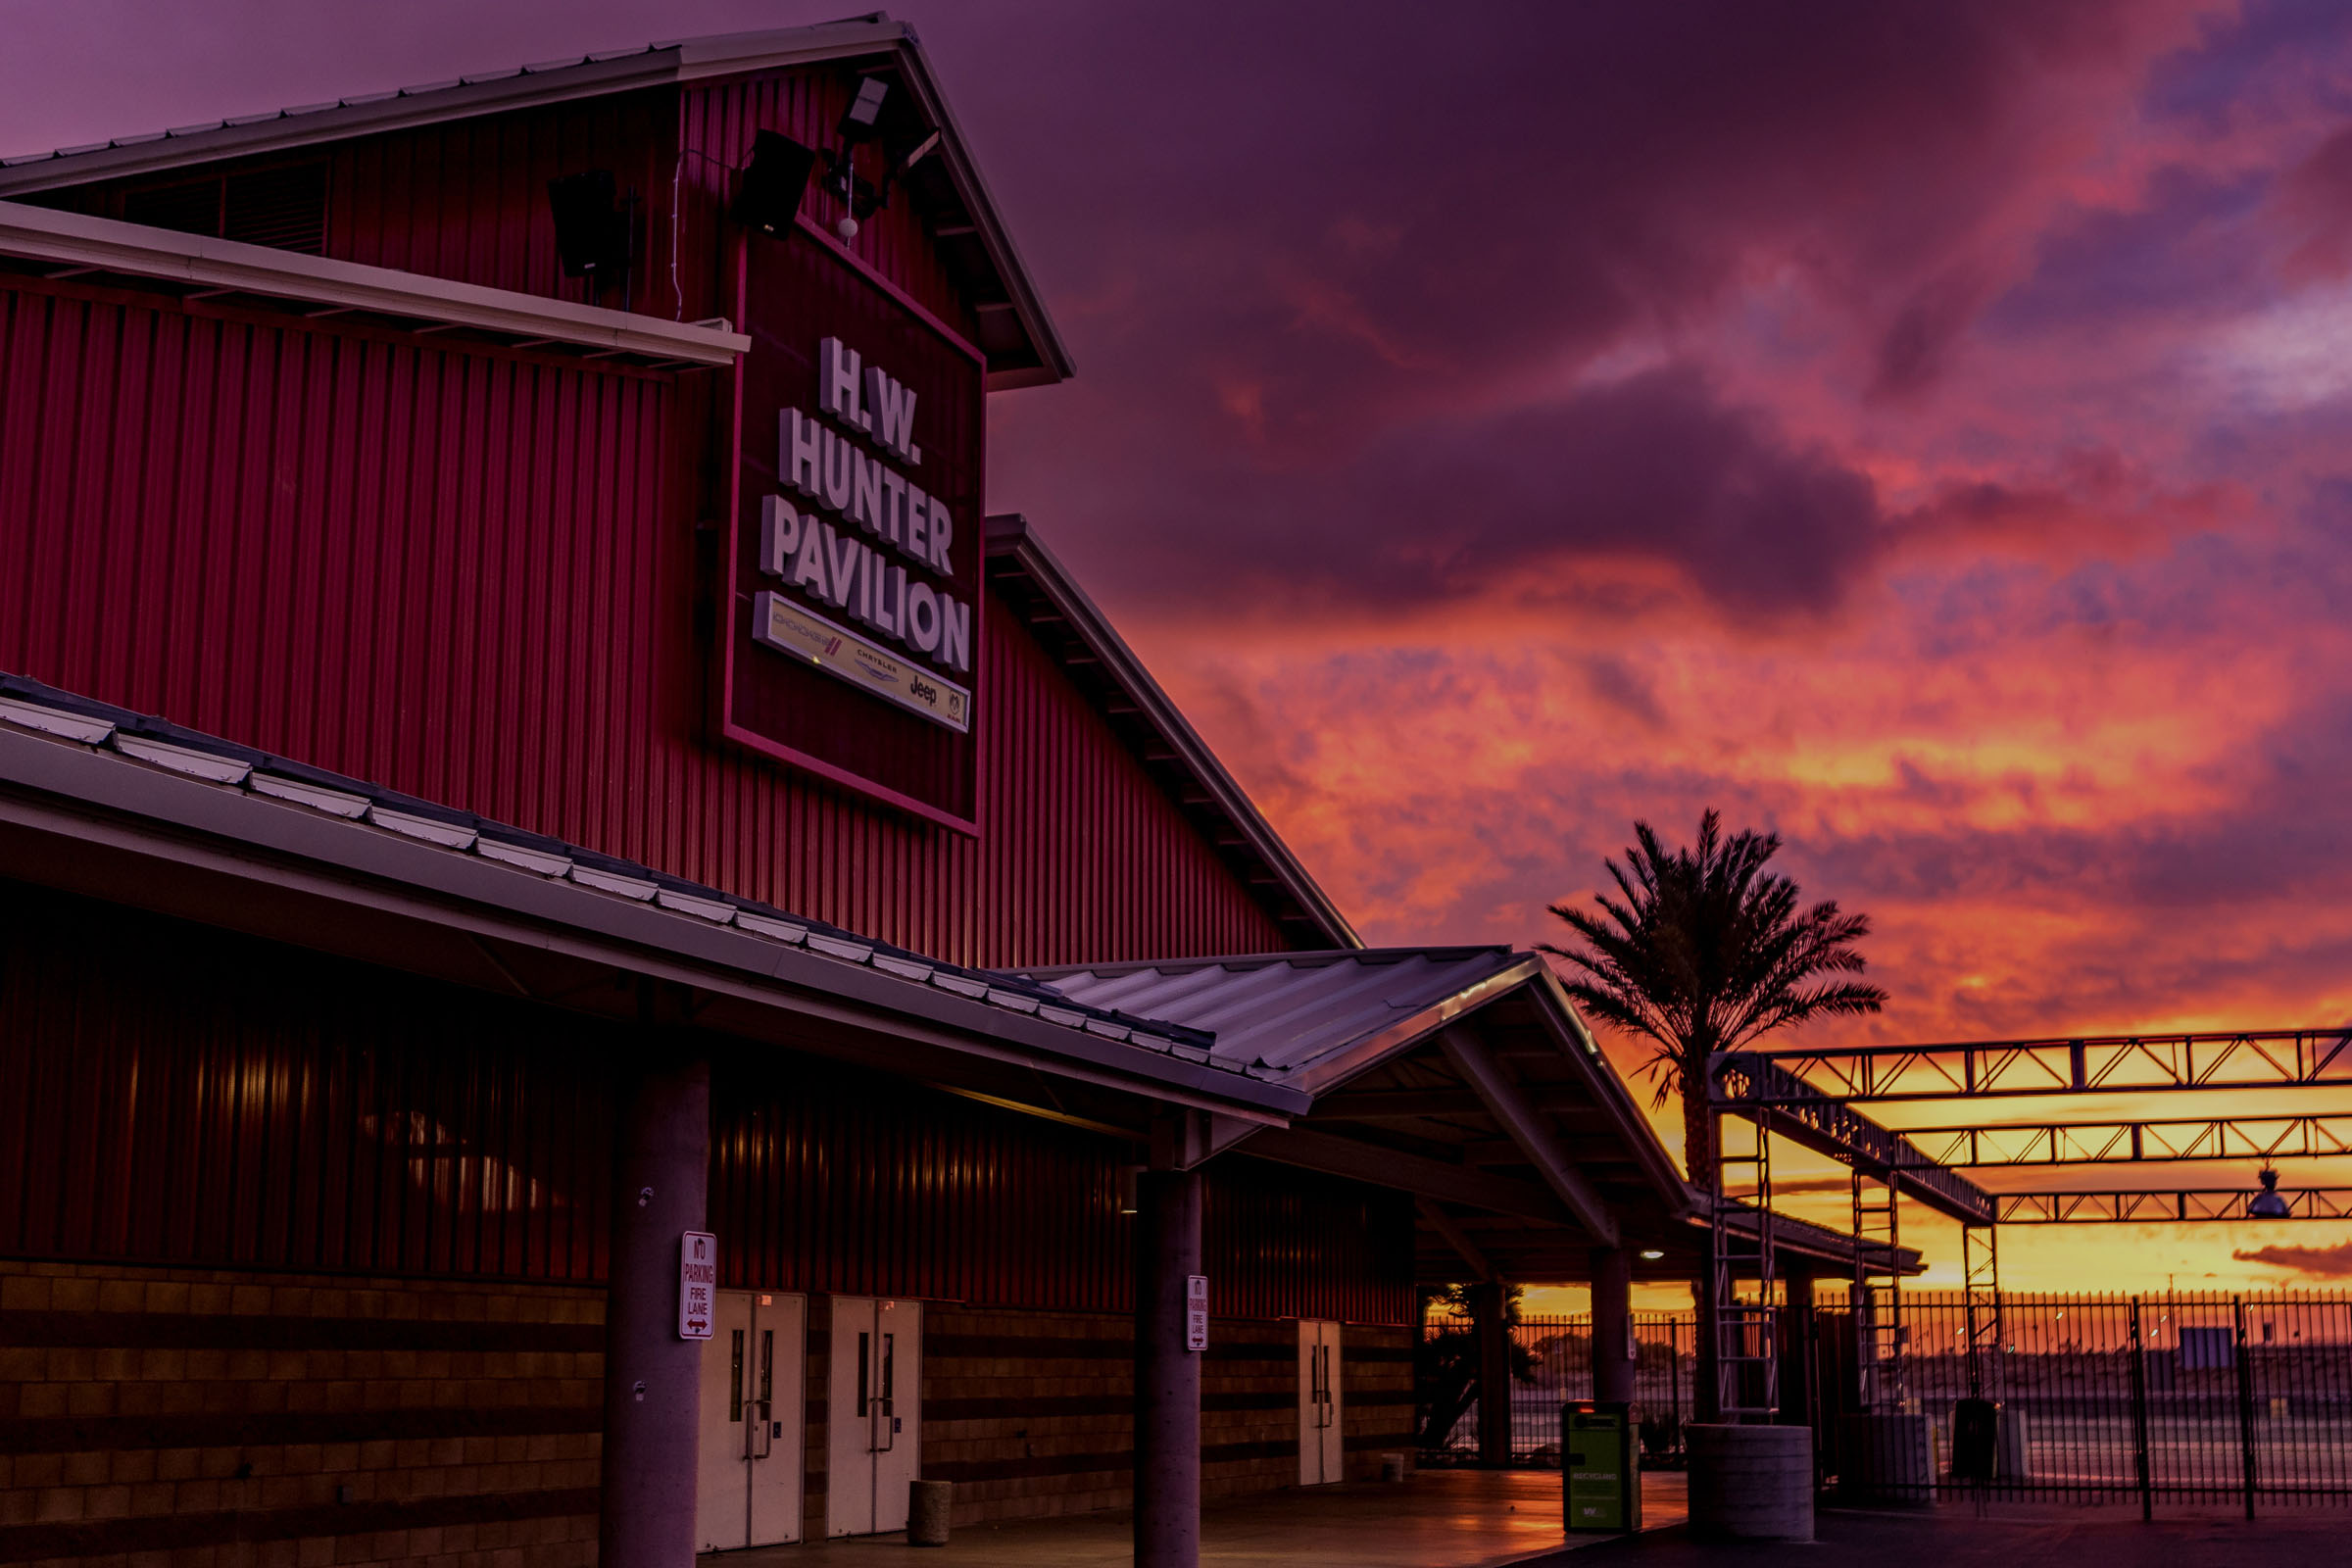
1740,1246
1981,1279
2122,1143
2163,1206
1756,1087
1807,1097
1878,1309
2256,1059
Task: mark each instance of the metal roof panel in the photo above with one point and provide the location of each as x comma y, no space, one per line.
1282,1013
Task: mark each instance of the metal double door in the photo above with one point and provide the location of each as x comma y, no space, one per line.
873,1409
1322,1451
754,1368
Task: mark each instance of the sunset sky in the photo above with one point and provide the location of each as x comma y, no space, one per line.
1920,430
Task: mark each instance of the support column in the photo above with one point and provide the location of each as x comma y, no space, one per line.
1493,1374
1796,1351
1613,1354
653,1379
1167,1376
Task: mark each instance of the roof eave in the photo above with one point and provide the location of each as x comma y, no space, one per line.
1009,532
64,787
404,110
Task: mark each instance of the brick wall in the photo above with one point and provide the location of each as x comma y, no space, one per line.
1032,1413
192,1418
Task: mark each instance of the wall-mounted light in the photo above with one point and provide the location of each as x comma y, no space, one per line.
1130,1189
1652,1254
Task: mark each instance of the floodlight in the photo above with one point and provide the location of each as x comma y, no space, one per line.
862,121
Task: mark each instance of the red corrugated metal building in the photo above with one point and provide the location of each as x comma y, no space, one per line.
521,751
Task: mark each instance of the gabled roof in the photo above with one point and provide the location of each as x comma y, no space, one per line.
1016,334
1319,1017
1097,661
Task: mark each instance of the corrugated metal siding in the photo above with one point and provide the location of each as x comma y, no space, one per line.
834,1181
172,1094
175,1093
470,575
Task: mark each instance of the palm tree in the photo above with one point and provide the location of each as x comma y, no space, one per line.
1705,951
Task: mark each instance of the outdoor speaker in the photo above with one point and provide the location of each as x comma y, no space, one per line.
769,195
592,233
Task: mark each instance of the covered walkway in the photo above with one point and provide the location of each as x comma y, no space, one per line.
1436,1519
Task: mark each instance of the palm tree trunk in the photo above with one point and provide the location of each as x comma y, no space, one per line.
1698,1160
1699,1135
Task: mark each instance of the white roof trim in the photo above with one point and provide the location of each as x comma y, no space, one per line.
103,244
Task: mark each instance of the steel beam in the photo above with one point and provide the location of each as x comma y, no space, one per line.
2141,1208
2123,1142
1469,1057
2253,1058
1417,1175
1458,1239
1754,1086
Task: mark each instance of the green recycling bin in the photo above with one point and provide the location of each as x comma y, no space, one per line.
1600,1466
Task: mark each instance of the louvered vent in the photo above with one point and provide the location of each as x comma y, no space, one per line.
191,207
284,208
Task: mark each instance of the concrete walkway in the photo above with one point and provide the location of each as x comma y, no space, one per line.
2014,1536
1436,1519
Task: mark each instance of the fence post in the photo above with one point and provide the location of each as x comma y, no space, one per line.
2246,1403
1674,1367
2139,1416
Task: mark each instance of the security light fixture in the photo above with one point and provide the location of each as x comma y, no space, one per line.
1652,1254
1130,1189
862,120
2267,1203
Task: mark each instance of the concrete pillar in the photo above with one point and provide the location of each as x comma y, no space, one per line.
1167,1376
1613,1323
653,1378
1494,1373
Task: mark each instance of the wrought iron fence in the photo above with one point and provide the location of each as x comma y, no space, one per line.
1555,1365
2189,1397
2193,1397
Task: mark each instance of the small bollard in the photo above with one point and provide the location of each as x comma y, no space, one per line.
1392,1466
927,1512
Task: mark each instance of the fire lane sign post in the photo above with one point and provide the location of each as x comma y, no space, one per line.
698,1284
